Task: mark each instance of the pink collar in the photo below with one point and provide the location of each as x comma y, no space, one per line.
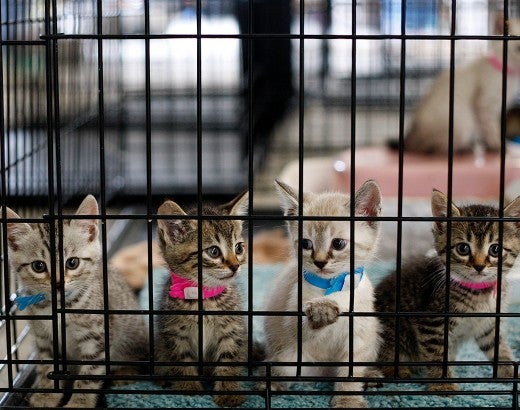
182,288
475,285
496,63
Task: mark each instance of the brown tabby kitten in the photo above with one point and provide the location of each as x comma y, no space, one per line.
225,336
473,287
30,259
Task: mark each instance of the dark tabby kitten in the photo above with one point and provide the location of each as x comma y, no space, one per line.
224,337
473,287
30,260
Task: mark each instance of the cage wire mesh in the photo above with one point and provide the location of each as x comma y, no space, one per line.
134,101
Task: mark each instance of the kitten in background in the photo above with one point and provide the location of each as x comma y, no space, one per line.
224,336
477,102
473,255
326,249
30,260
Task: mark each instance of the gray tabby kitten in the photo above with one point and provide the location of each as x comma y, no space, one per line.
473,287
326,249
224,336
30,260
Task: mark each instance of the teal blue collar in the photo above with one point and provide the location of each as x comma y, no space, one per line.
23,301
336,283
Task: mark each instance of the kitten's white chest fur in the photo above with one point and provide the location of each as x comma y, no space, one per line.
330,343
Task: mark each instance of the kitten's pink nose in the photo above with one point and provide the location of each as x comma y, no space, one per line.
320,264
479,268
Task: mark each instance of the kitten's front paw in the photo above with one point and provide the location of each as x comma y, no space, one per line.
45,399
321,312
275,386
122,372
82,401
448,387
375,374
222,400
188,385
348,402
505,372
228,400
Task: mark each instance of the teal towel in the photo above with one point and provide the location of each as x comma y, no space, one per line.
262,275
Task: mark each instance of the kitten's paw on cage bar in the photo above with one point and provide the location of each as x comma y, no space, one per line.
321,312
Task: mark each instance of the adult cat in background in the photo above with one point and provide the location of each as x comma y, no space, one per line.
477,101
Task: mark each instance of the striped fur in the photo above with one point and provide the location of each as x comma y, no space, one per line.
224,337
423,284
83,285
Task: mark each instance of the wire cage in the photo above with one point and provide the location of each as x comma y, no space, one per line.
135,101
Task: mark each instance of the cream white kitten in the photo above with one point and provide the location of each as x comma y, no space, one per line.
326,248
477,102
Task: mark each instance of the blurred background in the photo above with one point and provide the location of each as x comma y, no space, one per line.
150,99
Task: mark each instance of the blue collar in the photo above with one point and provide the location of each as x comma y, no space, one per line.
23,301
336,283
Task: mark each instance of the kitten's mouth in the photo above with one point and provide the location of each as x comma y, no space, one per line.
325,272
229,276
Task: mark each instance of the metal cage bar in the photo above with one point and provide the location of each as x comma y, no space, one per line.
98,99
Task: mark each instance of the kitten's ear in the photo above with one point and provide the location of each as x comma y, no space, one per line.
440,209
289,198
367,200
89,206
15,231
513,210
174,229
239,205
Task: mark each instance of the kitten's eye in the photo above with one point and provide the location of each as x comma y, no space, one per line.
239,248
463,249
494,250
72,263
307,244
214,251
39,266
339,244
